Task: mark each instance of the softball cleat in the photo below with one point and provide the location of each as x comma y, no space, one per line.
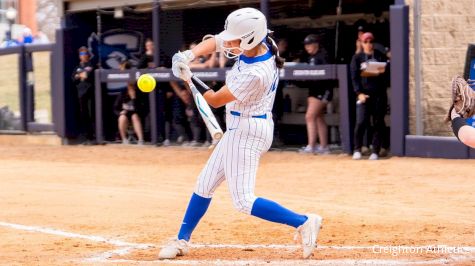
308,233
174,248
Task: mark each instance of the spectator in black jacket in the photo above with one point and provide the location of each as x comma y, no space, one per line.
147,60
83,78
371,95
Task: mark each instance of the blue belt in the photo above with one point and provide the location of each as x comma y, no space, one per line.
264,116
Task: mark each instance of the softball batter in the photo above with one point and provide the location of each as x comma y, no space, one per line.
248,95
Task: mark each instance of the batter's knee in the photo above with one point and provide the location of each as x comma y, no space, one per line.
244,204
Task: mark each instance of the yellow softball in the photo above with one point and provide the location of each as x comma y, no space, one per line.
146,83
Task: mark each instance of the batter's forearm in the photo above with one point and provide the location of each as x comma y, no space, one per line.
205,47
219,98
213,99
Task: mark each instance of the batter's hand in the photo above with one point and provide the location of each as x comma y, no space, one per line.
180,63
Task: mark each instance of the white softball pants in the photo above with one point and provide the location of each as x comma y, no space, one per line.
236,158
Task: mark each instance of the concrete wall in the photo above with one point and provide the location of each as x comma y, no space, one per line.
447,28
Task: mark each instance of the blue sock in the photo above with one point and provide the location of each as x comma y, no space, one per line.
196,209
272,211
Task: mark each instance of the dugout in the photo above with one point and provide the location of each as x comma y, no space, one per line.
170,22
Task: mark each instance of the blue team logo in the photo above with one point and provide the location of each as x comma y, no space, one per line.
116,46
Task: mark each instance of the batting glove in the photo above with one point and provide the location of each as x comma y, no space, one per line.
180,63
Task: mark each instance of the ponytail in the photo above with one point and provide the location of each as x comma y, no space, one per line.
279,61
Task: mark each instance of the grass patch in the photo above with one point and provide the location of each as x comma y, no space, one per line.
9,94
9,91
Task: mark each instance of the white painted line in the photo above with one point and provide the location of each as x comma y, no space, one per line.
92,238
287,262
277,246
125,248
109,254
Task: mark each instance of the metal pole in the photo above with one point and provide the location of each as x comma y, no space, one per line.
337,29
418,67
30,87
98,106
399,33
265,10
345,123
58,88
157,122
156,32
99,32
23,89
9,32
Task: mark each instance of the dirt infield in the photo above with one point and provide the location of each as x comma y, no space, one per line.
118,204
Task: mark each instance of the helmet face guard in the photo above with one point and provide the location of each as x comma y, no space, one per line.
228,51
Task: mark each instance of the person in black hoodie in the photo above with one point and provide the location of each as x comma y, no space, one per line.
83,79
371,95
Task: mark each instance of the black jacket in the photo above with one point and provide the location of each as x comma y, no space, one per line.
144,61
369,85
84,87
320,58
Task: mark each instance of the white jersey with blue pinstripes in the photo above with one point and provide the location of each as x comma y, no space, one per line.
253,81
249,133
